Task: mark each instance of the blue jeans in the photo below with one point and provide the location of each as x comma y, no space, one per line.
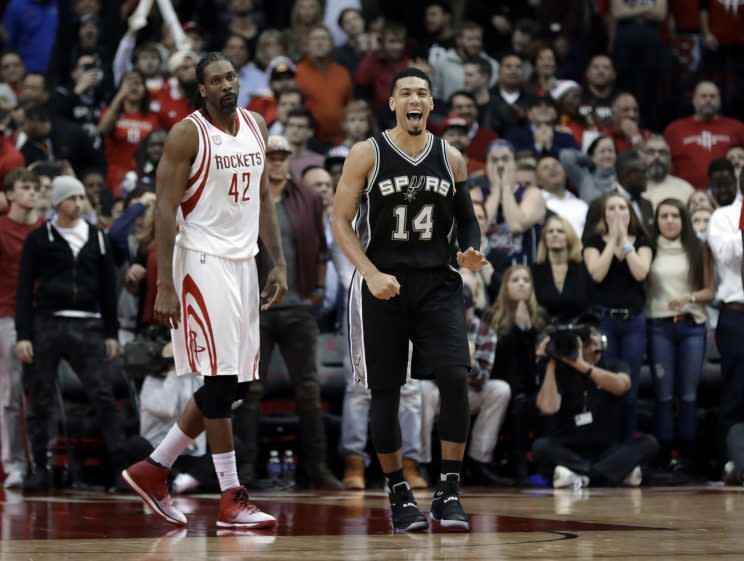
626,341
677,353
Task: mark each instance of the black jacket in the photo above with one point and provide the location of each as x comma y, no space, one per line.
51,279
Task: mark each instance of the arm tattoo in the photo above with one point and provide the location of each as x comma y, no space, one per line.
461,172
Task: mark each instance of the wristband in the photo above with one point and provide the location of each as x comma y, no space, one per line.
693,299
627,248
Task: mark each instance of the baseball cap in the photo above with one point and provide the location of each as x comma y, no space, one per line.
562,87
454,122
178,59
276,144
280,65
336,154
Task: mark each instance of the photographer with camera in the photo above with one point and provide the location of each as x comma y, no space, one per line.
582,395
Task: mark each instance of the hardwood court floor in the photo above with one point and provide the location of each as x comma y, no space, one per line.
618,524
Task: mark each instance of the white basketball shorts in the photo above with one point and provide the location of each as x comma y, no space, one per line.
219,332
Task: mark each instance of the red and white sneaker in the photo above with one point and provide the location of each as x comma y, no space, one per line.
150,482
236,511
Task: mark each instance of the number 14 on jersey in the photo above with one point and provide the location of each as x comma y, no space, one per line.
423,222
235,190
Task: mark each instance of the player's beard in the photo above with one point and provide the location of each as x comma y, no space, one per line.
416,132
228,105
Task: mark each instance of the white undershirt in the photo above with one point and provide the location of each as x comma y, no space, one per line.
76,237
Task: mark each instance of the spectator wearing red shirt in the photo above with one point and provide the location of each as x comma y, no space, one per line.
175,99
376,70
22,188
123,125
10,158
722,23
625,131
455,131
326,85
696,141
463,104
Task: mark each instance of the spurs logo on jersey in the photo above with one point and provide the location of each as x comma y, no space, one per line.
406,215
413,185
219,210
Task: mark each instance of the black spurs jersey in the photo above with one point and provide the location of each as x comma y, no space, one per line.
406,214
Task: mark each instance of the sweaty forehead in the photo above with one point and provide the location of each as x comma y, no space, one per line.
217,68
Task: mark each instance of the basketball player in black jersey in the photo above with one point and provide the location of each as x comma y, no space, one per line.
404,191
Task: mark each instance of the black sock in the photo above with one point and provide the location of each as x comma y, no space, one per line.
449,466
393,478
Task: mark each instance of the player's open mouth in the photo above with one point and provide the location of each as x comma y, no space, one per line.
414,117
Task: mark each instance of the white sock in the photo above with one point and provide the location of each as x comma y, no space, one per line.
171,447
226,469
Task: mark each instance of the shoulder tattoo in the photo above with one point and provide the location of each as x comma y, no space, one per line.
461,168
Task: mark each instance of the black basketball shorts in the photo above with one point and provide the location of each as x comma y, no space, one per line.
429,312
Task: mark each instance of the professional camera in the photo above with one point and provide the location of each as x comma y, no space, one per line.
564,339
143,355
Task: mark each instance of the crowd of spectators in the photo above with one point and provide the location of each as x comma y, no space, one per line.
605,146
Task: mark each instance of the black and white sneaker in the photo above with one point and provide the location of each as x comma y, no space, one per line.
406,514
446,508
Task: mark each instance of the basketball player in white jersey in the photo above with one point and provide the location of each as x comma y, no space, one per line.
210,182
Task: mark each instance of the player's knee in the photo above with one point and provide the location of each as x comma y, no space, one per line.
454,409
215,398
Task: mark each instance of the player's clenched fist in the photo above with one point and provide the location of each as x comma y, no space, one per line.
167,308
383,286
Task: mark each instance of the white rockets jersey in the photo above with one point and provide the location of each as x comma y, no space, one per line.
219,210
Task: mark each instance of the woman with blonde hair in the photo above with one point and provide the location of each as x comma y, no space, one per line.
618,259
561,280
516,319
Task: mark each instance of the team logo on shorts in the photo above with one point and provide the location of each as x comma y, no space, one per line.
203,258
217,138
197,328
357,359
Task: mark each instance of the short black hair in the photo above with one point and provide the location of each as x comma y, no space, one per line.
411,72
465,93
484,66
303,114
720,164
206,60
507,54
625,160
590,319
444,4
37,112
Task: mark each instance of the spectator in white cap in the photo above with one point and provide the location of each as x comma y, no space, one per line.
175,100
567,97
67,292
